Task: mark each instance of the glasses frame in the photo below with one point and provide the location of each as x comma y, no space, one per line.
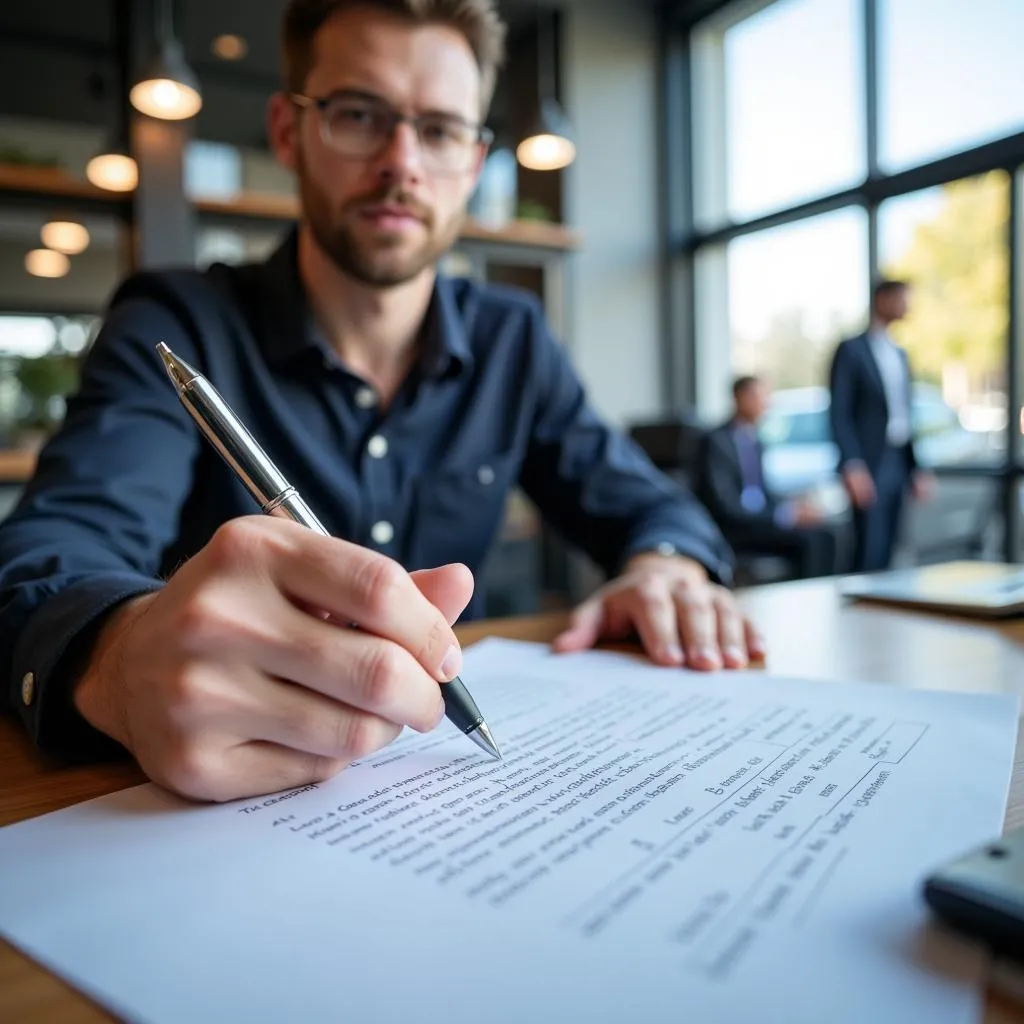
484,135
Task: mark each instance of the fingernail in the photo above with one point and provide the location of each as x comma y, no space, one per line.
736,654
673,653
708,654
452,664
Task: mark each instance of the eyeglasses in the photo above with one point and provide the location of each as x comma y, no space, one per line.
361,128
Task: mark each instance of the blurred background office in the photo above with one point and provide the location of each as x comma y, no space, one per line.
738,174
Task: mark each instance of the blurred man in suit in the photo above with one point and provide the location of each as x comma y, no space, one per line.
732,487
870,380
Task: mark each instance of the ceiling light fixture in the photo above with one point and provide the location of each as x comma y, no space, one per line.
230,47
548,145
47,263
169,88
65,236
113,169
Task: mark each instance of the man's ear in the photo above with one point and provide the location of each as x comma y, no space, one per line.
283,129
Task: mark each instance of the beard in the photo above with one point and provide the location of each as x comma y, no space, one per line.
387,260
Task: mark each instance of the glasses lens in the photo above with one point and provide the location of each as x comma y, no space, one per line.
354,127
362,129
448,144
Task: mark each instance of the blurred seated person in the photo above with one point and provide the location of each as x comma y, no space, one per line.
731,484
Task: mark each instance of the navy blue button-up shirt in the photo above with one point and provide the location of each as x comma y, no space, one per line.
128,488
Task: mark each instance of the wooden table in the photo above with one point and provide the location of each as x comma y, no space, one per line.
811,633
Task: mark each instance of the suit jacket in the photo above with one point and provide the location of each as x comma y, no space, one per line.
720,483
859,410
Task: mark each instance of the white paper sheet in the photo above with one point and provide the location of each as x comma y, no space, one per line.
657,846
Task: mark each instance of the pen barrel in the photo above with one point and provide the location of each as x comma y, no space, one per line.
223,429
290,505
459,706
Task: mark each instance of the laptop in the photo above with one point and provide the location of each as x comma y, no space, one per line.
988,589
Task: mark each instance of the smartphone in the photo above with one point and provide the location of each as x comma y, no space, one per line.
981,894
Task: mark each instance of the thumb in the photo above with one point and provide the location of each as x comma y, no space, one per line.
584,627
448,588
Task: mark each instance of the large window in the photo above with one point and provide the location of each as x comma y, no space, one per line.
950,243
792,291
782,141
950,77
822,157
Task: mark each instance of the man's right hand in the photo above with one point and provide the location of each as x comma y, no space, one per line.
240,677
807,513
859,486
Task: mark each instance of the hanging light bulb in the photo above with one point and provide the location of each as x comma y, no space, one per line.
113,169
65,236
47,263
548,145
169,88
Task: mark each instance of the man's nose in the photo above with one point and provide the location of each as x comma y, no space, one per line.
402,157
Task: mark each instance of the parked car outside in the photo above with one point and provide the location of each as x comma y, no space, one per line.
962,519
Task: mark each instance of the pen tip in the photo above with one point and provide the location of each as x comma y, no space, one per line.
177,369
482,737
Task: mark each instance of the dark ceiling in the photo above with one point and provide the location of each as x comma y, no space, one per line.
57,59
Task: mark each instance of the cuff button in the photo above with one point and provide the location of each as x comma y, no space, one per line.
28,688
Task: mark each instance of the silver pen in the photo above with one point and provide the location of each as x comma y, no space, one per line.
276,497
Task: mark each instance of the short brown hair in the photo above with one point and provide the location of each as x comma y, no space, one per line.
740,384
888,286
477,20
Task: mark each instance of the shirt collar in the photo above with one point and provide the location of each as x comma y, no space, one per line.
286,327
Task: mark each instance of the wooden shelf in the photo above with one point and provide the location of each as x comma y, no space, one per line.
58,183
263,205
526,232
273,206
17,465
53,181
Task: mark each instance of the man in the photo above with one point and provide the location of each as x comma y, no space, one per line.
870,380
732,487
143,599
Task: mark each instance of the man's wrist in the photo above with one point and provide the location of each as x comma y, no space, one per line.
664,557
90,690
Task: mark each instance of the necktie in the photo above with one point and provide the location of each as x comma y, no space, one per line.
752,497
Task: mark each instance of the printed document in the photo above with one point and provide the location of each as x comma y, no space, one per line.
656,846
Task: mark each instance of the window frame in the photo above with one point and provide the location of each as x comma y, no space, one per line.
685,242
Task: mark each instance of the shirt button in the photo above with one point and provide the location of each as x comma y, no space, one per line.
28,688
377,446
382,532
485,475
365,398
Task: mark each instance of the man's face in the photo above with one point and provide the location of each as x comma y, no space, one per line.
752,401
893,305
385,218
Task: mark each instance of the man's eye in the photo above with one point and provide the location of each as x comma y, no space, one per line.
441,132
358,117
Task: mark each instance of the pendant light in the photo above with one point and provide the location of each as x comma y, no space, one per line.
114,168
548,145
169,88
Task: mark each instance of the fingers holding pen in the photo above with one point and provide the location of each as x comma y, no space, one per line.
351,584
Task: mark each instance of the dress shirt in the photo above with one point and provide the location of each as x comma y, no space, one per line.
754,495
128,489
893,370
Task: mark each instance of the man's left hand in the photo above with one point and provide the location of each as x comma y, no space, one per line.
681,617
922,485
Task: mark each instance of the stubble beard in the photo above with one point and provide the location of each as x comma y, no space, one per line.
385,263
